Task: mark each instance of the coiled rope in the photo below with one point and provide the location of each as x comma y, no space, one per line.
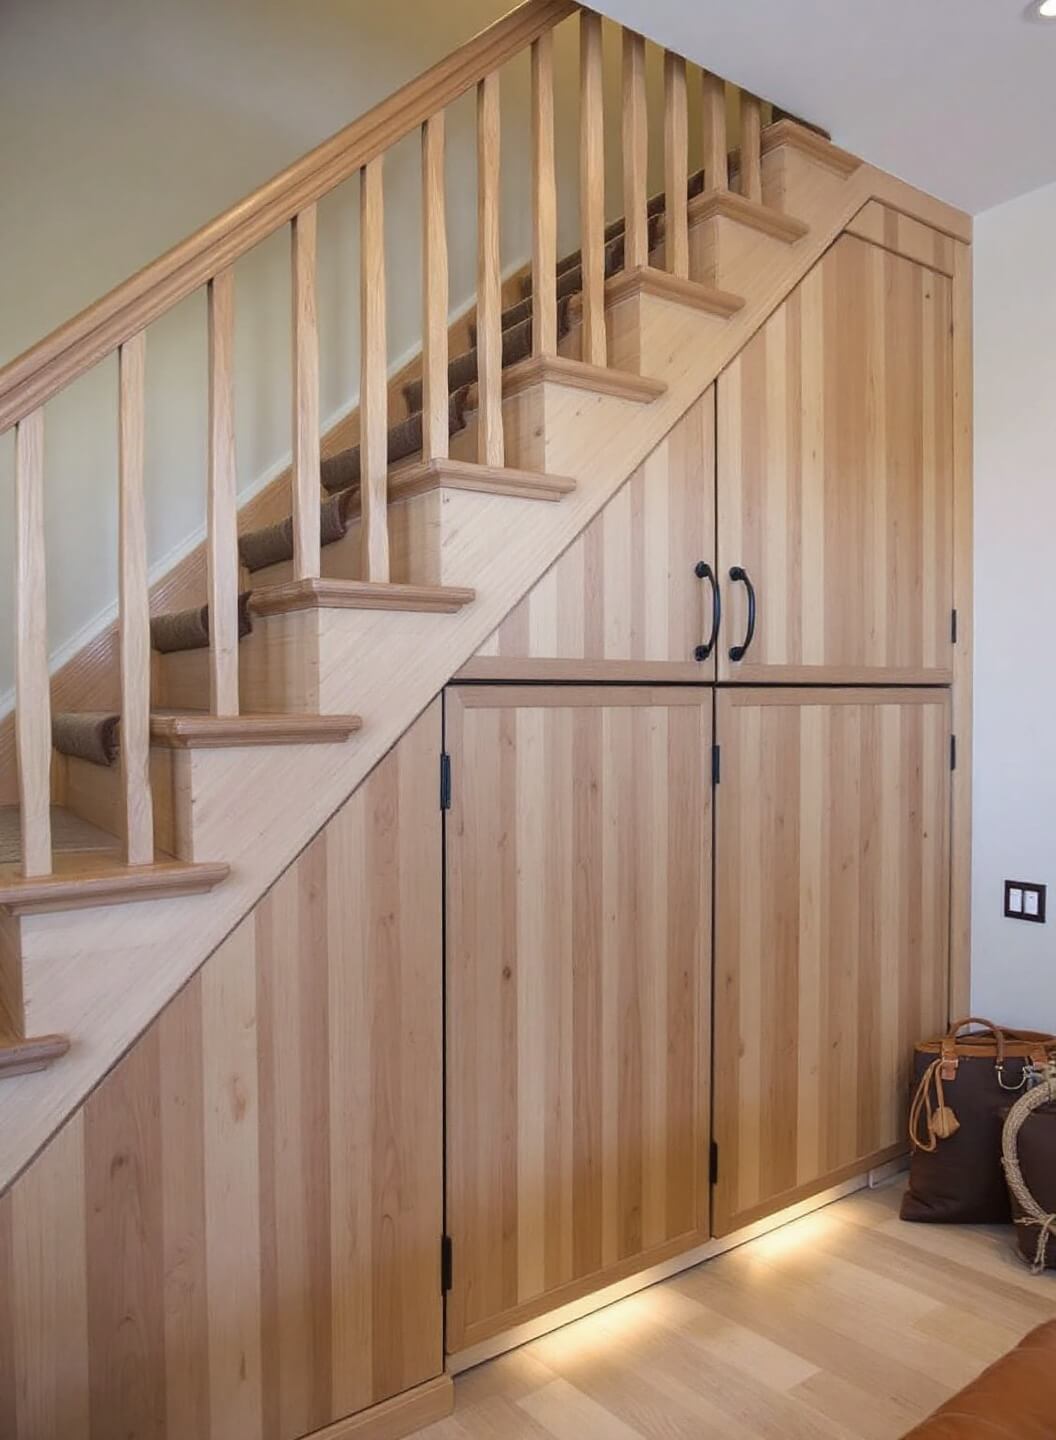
1033,1214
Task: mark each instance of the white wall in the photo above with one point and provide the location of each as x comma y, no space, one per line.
125,124
1014,962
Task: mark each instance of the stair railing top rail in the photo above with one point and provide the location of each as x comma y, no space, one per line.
49,366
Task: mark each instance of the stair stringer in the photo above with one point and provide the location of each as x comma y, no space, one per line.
103,975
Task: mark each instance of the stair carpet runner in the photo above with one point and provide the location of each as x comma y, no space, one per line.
93,736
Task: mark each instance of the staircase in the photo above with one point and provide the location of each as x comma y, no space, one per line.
146,829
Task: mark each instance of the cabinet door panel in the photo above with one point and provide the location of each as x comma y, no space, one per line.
835,477
624,602
578,941
831,946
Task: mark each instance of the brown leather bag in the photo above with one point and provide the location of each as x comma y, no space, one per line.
963,1084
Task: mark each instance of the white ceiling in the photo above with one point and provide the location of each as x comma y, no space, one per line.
956,96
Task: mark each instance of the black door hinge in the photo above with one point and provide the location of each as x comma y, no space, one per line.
953,627
716,764
713,1166
446,1264
445,780
953,752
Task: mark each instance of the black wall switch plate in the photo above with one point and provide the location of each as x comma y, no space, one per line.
1024,900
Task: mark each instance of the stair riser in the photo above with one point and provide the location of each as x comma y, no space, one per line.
95,793
786,171
727,254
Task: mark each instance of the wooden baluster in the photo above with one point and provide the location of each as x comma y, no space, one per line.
306,498
676,166
491,448
134,606
716,169
32,685
223,500
751,148
374,379
435,432
635,153
544,200
592,187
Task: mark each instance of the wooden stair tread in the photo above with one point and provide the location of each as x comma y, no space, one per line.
799,137
324,594
750,213
69,835
602,379
198,730
24,1057
649,280
82,880
422,477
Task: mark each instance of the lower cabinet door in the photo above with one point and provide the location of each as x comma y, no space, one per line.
831,921
578,992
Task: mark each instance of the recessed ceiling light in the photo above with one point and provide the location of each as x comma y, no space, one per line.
1046,9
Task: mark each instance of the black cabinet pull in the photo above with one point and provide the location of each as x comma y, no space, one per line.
703,571
738,572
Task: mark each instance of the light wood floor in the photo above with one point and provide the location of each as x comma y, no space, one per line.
846,1324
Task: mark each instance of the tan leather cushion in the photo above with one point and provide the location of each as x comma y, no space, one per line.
1014,1400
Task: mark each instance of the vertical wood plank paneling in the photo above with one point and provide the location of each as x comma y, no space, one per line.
577,915
123,1209
134,606
676,166
48,1297
32,681
490,444
832,419
625,594
751,151
592,187
635,152
713,115
544,200
305,482
373,384
222,549
435,434
183,1183
961,884
831,931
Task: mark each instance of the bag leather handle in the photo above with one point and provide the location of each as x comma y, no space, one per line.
950,1062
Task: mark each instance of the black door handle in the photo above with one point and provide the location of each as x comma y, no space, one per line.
703,571
738,572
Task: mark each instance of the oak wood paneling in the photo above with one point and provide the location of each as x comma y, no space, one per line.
831,931
578,1001
835,476
238,1232
624,596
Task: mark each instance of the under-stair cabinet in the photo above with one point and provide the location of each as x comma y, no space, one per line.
698,836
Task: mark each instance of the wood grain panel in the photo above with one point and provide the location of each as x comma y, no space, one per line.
578,998
624,601
903,235
831,931
835,476
238,1233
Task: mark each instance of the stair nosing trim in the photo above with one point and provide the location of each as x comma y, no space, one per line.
798,137
120,885
728,205
213,732
578,375
650,280
326,594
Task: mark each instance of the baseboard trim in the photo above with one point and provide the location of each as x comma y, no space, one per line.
567,1314
395,1418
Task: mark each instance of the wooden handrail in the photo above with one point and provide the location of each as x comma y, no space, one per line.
47,367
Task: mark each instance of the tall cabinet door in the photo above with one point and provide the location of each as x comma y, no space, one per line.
578,935
835,479
831,917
